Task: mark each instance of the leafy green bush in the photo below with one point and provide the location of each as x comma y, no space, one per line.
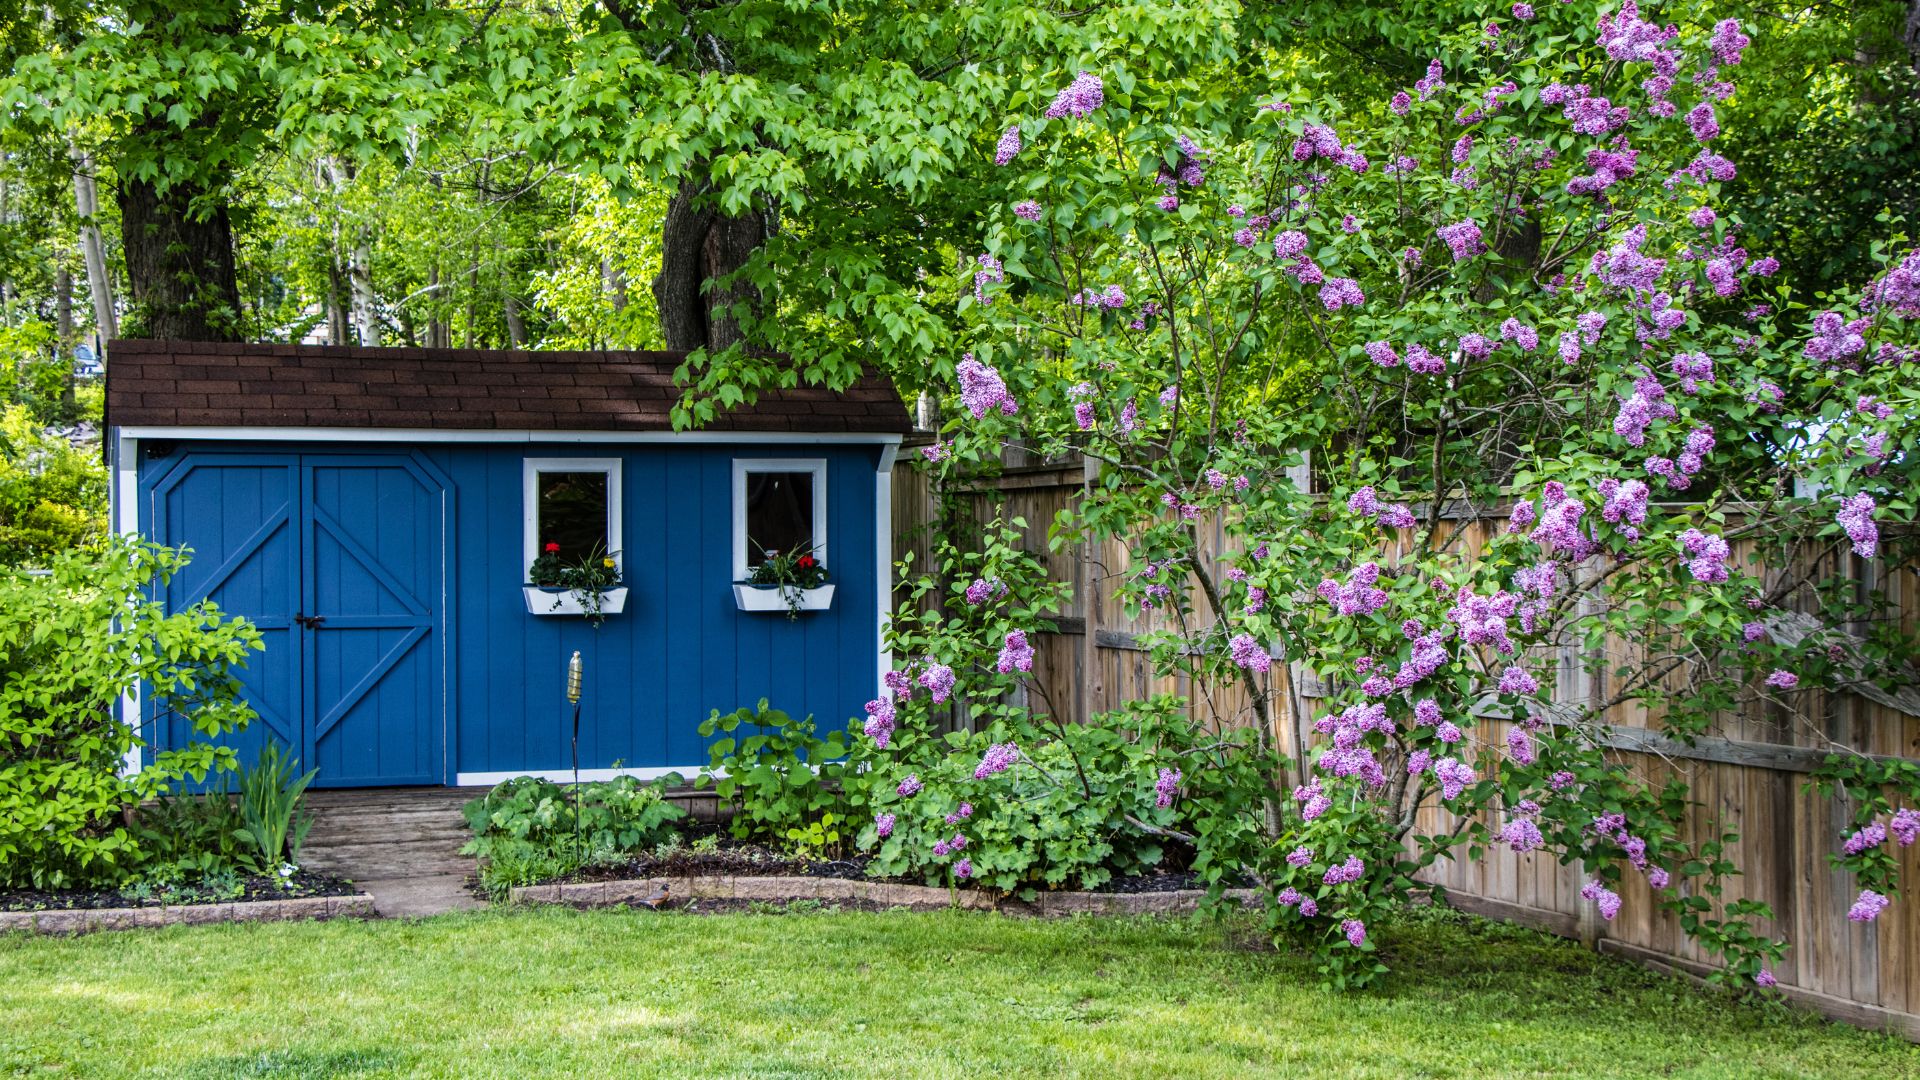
786,785
53,497
1045,822
71,643
190,838
525,828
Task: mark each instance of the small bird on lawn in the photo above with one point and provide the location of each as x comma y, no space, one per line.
655,902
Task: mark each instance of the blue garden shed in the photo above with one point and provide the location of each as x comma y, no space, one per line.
376,512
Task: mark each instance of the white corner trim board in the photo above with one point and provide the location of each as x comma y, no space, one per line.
125,509
491,435
565,776
883,552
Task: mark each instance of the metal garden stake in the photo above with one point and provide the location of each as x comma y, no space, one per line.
573,696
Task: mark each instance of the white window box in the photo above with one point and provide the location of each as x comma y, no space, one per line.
544,601
780,598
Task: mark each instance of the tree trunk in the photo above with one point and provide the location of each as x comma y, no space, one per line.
473,311
698,247
1913,34
615,284
365,319
336,300
86,205
64,332
516,329
439,334
180,268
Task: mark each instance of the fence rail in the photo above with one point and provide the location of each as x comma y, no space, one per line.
1751,776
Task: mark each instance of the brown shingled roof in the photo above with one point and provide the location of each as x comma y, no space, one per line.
206,384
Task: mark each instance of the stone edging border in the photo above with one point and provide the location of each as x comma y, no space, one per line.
912,897
87,920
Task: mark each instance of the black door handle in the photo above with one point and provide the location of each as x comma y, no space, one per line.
311,622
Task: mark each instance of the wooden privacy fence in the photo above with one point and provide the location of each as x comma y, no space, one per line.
1750,777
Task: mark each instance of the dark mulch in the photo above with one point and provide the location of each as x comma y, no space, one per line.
1173,881
736,860
304,884
743,858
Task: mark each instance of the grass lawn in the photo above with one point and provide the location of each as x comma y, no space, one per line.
616,994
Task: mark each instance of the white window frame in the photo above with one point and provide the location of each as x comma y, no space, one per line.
743,466
530,470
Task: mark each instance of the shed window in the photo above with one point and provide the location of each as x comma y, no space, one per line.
779,505
573,503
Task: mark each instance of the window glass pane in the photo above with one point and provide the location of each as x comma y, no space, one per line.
573,513
779,513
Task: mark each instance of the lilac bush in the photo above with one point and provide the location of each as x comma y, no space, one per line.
1546,399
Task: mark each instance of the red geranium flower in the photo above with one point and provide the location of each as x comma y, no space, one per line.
806,562
552,547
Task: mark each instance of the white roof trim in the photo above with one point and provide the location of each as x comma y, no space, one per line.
491,435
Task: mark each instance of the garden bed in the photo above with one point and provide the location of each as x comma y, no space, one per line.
258,899
259,887
87,920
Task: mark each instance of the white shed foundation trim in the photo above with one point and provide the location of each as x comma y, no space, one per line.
565,776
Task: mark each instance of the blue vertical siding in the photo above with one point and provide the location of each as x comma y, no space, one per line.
654,672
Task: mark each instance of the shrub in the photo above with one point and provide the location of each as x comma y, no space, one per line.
53,496
786,785
1040,824
71,643
189,838
528,829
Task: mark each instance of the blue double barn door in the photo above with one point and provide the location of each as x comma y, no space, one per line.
341,560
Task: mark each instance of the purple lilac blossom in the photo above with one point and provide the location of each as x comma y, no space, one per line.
1905,826
1516,680
998,759
1520,746
938,679
1856,517
1872,835
1080,97
989,273
1166,787
1016,654
1783,680
1454,776
1358,595
1522,835
1463,239
1868,906
1249,654
1607,900
1009,145
982,390
880,722
1706,556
